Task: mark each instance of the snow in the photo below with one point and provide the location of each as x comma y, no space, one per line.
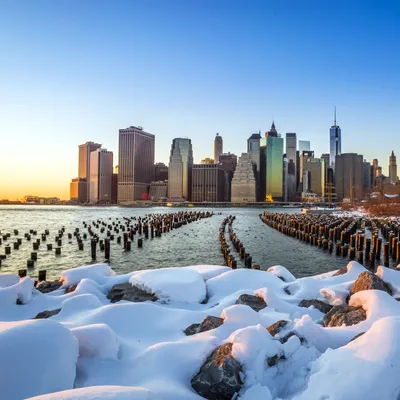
36,357
93,349
172,284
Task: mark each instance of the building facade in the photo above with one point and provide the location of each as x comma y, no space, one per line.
304,145
101,176
135,164
392,168
349,177
208,183
316,174
291,156
78,190
160,172
253,148
335,142
218,147
228,162
158,190
180,169
244,180
84,162
272,166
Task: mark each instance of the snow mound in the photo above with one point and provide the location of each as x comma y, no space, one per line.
366,368
36,357
101,393
208,271
8,280
96,272
172,284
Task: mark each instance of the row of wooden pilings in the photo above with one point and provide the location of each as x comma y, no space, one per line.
121,230
237,245
346,236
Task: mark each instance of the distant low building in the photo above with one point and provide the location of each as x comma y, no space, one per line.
41,200
158,190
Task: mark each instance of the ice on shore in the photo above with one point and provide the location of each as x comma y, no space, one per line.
91,349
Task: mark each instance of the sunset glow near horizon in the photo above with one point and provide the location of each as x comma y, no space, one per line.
77,71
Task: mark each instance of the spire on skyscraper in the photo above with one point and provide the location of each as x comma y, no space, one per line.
334,123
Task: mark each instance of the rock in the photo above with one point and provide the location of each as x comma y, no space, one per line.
344,315
208,324
255,302
357,336
70,289
219,378
285,338
340,271
47,287
318,304
47,313
271,361
275,328
125,291
368,281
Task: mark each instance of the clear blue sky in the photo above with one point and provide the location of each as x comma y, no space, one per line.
74,70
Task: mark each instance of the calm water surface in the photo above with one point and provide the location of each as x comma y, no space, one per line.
195,243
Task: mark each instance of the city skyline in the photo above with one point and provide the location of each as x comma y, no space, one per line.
71,68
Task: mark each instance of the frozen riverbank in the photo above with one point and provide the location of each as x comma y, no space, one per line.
202,332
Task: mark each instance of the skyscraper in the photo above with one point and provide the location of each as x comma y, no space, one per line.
349,176
180,169
335,142
253,149
244,180
272,165
228,162
101,175
218,148
290,182
392,168
84,163
367,177
135,164
208,183
316,175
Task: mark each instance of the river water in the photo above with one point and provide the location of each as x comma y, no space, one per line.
195,243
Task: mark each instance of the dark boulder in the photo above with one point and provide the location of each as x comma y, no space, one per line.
368,281
47,313
275,328
344,315
255,302
125,291
219,378
71,289
208,324
47,287
318,304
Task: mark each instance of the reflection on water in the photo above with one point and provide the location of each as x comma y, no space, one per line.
195,243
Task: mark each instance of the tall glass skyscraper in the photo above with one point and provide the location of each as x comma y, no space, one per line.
180,169
272,165
335,142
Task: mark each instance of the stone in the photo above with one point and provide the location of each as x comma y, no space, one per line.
275,328
71,289
219,378
125,291
255,302
344,315
340,271
271,361
318,304
368,281
47,287
208,324
47,313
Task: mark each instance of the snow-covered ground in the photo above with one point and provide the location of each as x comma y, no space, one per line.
94,349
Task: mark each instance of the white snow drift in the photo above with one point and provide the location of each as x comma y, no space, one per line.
93,349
